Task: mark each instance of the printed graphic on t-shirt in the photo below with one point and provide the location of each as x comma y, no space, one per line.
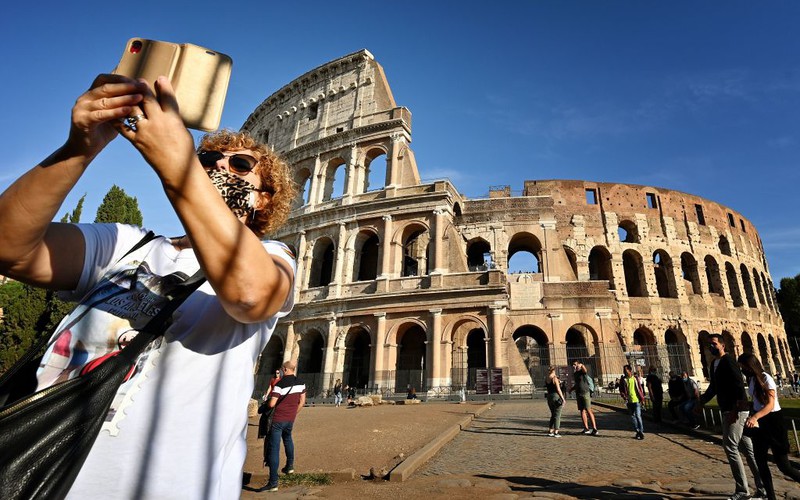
104,322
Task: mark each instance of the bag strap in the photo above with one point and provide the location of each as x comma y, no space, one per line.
43,343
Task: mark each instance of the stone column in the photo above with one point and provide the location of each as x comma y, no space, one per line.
341,242
394,162
317,184
386,247
548,226
436,349
302,268
498,315
378,378
351,173
438,241
288,348
329,354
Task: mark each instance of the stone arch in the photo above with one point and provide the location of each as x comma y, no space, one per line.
759,291
303,179
634,274
582,344
724,245
310,360
411,365
416,244
356,369
665,275
786,359
747,344
733,285
322,261
477,248
646,341
767,292
270,360
774,356
366,246
713,277
376,169
763,353
600,267
529,244
705,355
691,277
627,231
748,286
572,257
730,343
677,351
533,347
335,178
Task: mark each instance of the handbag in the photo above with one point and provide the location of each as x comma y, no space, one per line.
46,436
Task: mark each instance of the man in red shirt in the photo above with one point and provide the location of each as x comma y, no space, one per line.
287,398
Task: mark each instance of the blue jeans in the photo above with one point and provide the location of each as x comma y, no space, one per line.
278,431
687,409
636,416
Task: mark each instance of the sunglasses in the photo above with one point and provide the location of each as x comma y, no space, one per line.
239,163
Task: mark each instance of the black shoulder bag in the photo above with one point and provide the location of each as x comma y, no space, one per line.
46,437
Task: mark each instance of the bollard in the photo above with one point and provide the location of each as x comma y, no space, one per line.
796,441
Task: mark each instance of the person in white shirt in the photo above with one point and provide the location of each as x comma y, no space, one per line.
765,424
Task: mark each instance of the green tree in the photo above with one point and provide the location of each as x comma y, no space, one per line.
75,216
119,207
789,304
28,314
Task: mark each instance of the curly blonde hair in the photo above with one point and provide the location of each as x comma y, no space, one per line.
273,171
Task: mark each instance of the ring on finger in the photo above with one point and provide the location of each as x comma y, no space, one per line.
131,121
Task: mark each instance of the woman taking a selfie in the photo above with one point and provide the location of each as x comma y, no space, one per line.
177,427
555,401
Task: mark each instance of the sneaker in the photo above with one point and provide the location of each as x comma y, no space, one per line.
594,432
557,435
287,470
586,431
551,435
268,487
739,495
640,436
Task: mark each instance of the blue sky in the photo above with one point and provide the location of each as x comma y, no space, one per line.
702,97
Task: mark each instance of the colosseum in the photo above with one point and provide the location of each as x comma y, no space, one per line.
407,283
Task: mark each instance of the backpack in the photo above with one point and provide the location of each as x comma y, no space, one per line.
590,381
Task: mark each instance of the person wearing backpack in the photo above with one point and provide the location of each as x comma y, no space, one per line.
583,387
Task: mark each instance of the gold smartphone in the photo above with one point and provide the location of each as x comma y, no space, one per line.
199,76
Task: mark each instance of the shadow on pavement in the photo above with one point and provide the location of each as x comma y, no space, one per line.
539,485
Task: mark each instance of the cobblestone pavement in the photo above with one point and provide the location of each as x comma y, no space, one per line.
509,444
506,454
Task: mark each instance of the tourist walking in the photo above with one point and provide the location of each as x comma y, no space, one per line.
555,401
287,399
631,391
337,393
765,424
581,386
727,384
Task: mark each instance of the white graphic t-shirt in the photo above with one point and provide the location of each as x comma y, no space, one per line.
176,428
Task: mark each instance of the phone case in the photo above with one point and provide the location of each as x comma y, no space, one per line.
199,76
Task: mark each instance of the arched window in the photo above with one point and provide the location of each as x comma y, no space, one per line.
748,286
600,266
322,263
411,359
476,355
724,246
628,232
733,285
375,164
304,181
573,262
366,261
479,256
645,340
309,362
713,277
677,351
356,358
665,276
335,174
634,274
524,254
415,251
691,278
747,344
759,291
533,346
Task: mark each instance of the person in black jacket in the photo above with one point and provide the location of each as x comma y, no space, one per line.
727,384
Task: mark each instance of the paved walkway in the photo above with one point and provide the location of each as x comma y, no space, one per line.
509,444
506,454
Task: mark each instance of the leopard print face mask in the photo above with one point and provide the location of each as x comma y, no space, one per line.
238,193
